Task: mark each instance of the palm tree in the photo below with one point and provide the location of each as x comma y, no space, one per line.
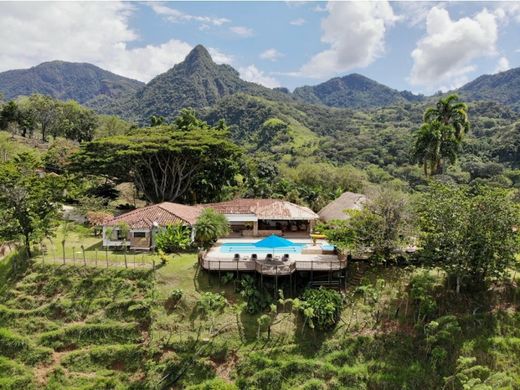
427,147
450,112
441,134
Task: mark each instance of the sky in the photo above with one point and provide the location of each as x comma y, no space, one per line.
422,47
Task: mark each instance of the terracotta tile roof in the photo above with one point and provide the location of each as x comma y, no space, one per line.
163,214
336,208
264,209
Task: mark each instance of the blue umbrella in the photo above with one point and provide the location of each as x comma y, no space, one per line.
273,242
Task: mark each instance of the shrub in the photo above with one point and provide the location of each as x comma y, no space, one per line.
256,300
210,227
213,384
321,308
176,295
173,238
314,384
268,379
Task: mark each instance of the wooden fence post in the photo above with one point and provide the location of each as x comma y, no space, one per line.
84,259
96,257
153,268
74,255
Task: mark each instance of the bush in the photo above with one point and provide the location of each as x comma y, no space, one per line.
213,384
176,295
210,227
173,238
256,300
321,308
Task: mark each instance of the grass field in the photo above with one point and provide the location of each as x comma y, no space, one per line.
76,327
78,236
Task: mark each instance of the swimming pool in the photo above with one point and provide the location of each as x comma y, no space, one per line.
249,247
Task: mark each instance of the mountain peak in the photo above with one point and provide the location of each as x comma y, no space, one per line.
199,55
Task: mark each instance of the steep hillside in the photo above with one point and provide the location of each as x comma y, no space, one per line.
196,82
503,87
355,91
66,80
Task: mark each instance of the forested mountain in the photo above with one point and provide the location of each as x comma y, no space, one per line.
66,80
503,87
196,82
355,91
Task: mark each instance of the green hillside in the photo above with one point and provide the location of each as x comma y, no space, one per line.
66,80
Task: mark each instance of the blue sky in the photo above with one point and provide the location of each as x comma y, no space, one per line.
418,46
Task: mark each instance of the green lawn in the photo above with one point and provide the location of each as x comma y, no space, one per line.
78,236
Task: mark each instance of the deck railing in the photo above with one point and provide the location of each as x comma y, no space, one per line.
226,264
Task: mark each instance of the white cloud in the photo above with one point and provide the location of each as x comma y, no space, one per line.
444,55
253,74
502,65
220,57
271,55
355,33
176,16
94,32
415,12
297,22
241,31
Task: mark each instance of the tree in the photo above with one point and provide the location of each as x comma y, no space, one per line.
450,112
210,227
440,136
156,120
384,226
164,163
47,114
470,232
29,207
78,123
59,155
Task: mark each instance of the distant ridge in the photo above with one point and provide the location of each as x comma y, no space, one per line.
503,87
355,91
66,80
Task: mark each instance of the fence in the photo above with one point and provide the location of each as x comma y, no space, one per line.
97,259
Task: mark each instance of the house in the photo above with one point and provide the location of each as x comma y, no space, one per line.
336,209
263,217
247,217
144,223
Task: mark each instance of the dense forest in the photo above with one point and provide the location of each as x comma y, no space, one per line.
441,174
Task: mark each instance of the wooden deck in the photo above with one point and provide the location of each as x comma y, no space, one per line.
276,267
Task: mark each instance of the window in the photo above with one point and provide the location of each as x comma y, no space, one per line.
139,234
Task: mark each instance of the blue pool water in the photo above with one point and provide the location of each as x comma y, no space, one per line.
249,247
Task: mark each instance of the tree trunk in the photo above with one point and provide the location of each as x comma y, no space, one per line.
458,285
28,246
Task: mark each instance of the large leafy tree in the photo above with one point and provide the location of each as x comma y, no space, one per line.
29,207
469,231
164,162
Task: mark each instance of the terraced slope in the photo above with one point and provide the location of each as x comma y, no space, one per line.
73,327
